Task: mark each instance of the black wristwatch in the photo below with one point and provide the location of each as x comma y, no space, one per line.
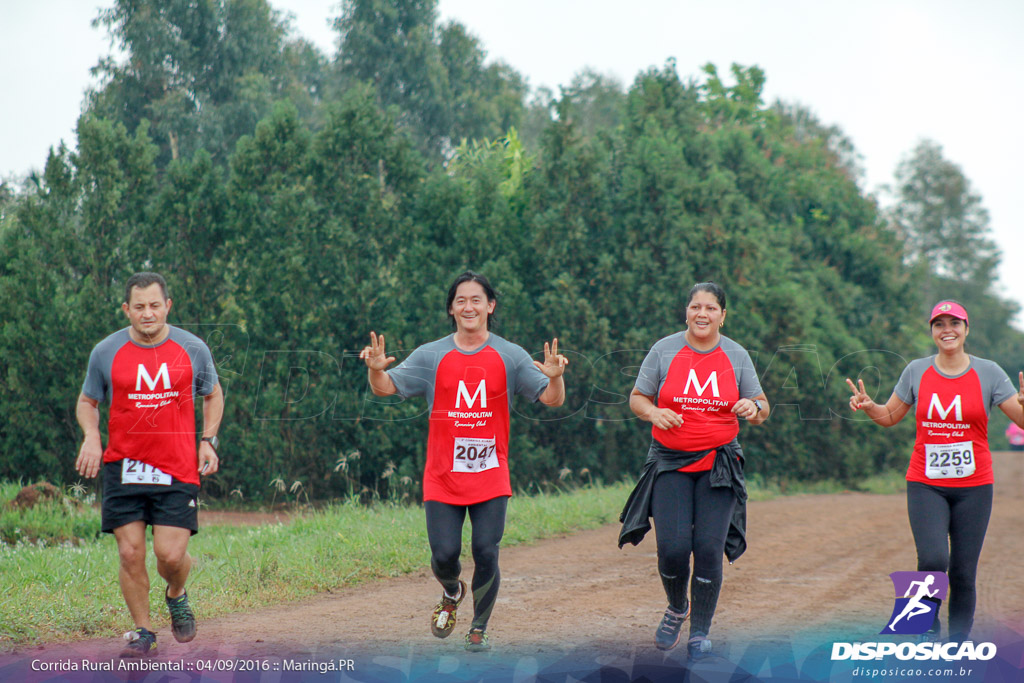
213,441
757,404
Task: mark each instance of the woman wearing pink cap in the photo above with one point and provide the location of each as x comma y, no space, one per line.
949,481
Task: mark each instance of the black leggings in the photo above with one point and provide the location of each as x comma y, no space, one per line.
444,531
691,517
949,525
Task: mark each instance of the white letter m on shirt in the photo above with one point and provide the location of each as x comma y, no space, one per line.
143,376
712,380
481,393
936,405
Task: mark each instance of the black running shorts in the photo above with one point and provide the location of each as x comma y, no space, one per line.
176,504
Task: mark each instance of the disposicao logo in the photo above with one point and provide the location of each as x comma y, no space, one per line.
914,612
917,601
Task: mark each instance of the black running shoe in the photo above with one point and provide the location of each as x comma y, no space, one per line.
183,622
141,643
670,629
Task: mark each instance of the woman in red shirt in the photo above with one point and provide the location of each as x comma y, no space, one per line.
949,480
693,387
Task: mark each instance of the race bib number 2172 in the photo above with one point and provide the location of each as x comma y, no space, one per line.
136,472
474,455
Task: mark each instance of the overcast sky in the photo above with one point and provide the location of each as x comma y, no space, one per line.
888,73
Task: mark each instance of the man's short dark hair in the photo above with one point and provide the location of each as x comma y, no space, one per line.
143,280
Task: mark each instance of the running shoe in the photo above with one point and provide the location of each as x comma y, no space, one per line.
670,628
698,646
442,621
183,622
932,635
141,643
477,640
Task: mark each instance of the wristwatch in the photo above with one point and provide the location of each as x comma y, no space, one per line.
213,441
757,404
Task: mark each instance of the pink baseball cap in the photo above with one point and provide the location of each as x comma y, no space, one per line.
949,308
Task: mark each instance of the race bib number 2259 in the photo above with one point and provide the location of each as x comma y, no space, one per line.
474,455
949,460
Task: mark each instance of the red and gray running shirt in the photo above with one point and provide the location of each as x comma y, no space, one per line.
469,396
702,386
151,391
951,448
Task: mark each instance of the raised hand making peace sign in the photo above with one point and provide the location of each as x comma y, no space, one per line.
554,362
374,355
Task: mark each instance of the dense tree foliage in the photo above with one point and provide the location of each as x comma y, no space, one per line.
295,207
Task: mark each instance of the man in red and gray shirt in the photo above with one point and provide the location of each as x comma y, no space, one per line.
150,372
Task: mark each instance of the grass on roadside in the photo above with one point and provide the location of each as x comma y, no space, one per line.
74,593
885,483
66,520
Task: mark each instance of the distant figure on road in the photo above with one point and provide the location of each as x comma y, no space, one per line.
1015,435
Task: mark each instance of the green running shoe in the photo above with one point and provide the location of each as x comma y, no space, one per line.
141,643
183,622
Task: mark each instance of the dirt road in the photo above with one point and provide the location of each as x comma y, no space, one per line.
816,570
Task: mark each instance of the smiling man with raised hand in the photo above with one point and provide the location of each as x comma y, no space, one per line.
468,379
150,372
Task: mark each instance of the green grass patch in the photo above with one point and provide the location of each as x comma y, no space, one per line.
74,593
65,519
887,483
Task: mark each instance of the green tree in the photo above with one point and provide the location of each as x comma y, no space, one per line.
203,73
435,76
942,221
70,247
949,247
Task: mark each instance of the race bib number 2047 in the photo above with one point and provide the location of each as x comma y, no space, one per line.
135,472
474,455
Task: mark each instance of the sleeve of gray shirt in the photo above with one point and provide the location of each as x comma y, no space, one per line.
97,375
994,382
648,378
95,384
910,379
530,381
747,382
415,375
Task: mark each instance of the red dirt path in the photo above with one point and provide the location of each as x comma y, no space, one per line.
815,564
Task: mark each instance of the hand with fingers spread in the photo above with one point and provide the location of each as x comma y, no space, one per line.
554,362
860,399
374,355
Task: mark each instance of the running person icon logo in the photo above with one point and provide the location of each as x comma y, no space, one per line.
918,595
